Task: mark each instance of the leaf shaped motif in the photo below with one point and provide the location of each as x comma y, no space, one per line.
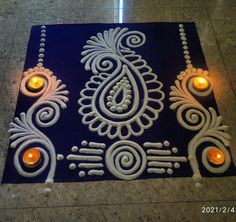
195,117
45,111
124,97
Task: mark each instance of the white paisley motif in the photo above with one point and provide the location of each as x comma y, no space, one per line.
123,97
194,116
24,133
126,160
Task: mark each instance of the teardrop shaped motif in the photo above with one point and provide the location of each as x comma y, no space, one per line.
124,91
120,96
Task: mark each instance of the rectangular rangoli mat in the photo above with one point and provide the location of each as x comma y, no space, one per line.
116,101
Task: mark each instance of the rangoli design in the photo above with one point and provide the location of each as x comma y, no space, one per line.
195,117
45,112
124,97
118,123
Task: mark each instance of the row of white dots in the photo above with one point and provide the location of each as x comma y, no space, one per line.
184,44
42,45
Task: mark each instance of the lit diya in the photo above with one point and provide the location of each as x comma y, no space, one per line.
200,83
31,157
35,84
215,156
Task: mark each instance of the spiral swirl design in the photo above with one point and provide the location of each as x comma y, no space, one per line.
105,63
49,115
126,160
46,112
22,148
191,117
122,75
195,117
134,39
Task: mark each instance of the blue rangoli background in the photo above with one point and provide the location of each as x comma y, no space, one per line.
163,53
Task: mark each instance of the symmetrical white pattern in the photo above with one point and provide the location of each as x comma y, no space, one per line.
160,157
184,44
42,45
89,157
194,116
124,97
126,160
44,112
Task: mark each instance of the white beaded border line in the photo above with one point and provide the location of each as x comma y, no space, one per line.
42,45
185,45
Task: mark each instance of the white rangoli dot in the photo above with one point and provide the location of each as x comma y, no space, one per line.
47,191
74,149
175,150
109,104
113,108
109,98
119,109
129,97
84,143
128,91
127,102
72,166
198,185
124,106
82,173
166,143
176,165
169,171
112,92
60,157
128,86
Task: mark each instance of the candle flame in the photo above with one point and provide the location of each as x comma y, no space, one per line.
31,157
200,83
216,156
36,83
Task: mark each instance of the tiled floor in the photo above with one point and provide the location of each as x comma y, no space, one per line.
149,200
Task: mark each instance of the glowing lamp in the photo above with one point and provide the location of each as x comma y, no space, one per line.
200,83
215,156
31,157
35,83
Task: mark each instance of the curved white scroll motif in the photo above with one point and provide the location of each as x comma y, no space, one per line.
194,116
124,97
126,160
46,111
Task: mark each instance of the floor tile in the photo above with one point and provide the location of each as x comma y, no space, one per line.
162,3
102,16
117,192
138,213
2,71
39,17
223,20
24,215
220,3
8,22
